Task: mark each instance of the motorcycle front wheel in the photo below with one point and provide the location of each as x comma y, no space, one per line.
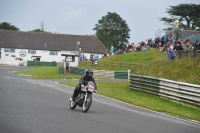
87,103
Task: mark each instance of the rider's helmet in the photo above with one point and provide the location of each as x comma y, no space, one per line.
89,73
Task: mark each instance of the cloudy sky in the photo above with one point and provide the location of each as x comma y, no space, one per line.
80,16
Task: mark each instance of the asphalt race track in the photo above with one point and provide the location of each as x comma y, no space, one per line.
42,106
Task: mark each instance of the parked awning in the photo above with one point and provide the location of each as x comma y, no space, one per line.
68,55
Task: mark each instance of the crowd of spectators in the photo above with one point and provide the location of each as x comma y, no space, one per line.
141,46
176,49
179,48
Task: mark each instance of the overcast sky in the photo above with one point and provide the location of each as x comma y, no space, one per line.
80,16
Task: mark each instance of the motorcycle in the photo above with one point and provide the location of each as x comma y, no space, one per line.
84,98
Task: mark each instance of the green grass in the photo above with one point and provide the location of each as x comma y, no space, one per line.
122,92
47,72
143,57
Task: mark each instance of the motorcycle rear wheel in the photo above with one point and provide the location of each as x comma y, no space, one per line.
72,105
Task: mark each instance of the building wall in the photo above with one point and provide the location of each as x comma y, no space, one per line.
10,58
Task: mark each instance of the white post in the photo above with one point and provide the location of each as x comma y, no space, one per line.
129,71
64,66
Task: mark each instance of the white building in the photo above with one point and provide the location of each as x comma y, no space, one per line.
17,47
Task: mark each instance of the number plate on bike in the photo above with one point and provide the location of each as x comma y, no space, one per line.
90,88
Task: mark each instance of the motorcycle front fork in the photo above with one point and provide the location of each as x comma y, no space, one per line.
86,94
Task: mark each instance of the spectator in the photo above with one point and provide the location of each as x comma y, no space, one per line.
85,59
91,58
197,45
106,54
132,46
187,48
171,52
197,49
182,43
124,48
188,45
97,57
112,49
81,56
178,49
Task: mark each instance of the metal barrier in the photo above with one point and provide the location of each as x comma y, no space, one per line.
177,91
113,64
185,54
77,70
121,75
103,74
38,63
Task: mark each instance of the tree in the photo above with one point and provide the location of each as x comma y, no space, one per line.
8,26
37,30
42,26
41,29
112,30
187,14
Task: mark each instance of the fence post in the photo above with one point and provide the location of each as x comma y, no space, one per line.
129,71
167,56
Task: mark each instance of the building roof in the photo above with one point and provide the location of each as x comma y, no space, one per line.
185,33
57,42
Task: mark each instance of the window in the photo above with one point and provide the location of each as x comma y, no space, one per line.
12,50
6,50
69,58
30,51
9,50
53,53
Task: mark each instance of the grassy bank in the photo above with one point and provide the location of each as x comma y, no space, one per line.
153,63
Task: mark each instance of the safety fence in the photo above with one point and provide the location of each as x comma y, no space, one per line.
177,91
101,73
184,54
40,63
112,64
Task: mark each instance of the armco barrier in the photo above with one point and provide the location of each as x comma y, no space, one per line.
77,70
40,63
104,74
101,73
178,91
121,75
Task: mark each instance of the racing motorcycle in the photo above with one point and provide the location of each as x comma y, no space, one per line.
84,98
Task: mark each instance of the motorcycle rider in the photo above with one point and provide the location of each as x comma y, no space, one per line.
82,82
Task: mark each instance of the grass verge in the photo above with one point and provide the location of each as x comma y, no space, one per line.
47,72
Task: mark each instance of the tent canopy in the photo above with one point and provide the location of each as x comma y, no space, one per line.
193,39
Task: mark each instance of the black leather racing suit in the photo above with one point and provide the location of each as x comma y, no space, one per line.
83,81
